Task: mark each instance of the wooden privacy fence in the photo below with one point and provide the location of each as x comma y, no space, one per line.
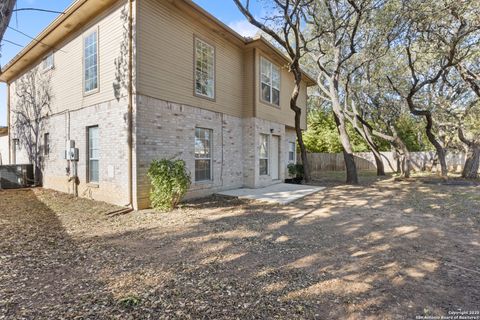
321,162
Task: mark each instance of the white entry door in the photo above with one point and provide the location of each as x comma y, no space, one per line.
275,157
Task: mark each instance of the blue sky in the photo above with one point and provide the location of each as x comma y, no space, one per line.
33,22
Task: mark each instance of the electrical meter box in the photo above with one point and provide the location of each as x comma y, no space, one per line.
72,154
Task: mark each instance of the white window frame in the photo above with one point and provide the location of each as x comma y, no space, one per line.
290,144
209,158
90,158
196,72
267,150
45,62
269,73
87,35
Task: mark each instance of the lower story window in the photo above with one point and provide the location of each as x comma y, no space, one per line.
93,154
203,154
46,144
263,156
291,152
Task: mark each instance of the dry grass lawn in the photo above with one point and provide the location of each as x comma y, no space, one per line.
382,250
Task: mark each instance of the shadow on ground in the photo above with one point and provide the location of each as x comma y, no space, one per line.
380,251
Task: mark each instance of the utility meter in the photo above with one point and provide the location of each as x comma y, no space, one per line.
72,154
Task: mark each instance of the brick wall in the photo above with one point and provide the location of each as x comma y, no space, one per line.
167,130
110,117
161,130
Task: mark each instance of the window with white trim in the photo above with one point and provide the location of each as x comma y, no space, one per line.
292,150
263,154
93,140
204,69
47,62
90,62
203,154
270,82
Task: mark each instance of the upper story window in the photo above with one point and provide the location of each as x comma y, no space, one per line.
270,82
47,62
204,69
90,62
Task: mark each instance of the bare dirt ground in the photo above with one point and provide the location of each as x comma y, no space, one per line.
382,250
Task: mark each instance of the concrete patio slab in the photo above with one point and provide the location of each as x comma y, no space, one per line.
282,193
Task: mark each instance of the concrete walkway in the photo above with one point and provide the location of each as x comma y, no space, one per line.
282,193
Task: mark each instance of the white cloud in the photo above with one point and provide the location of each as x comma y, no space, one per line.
244,28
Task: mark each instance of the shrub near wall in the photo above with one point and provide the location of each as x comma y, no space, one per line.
170,182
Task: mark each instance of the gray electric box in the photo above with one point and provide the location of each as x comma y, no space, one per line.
72,154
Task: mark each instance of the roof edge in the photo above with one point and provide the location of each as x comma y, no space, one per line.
44,33
78,4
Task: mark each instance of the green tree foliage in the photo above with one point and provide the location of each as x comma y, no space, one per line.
170,181
412,132
322,134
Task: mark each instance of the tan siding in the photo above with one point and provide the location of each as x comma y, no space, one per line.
249,83
67,75
165,51
283,113
165,65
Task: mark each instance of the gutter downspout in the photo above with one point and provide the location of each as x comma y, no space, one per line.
129,208
130,103
8,125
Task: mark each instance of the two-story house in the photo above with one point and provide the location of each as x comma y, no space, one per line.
133,81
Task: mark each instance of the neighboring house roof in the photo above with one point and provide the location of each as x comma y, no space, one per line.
3,131
82,11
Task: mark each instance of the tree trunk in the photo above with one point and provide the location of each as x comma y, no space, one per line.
37,175
6,9
379,162
295,67
472,163
364,130
438,147
303,150
351,168
365,133
396,156
405,161
430,135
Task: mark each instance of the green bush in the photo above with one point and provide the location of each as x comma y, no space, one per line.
300,170
170,181
292,170
295,170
